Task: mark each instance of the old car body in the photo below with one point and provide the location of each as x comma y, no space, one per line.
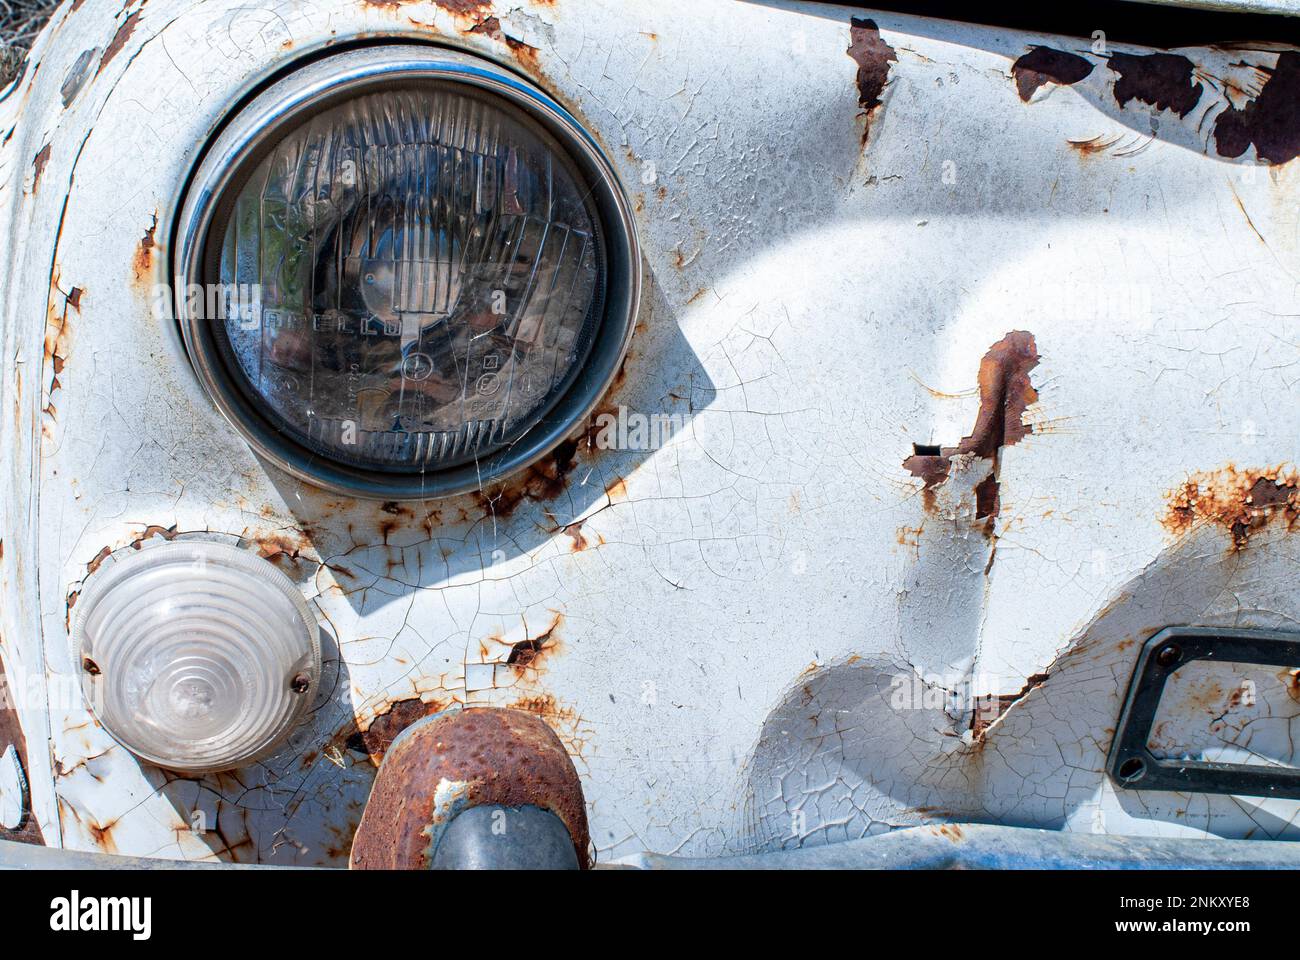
964,365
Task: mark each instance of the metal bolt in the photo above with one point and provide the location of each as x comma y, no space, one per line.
90,666
1169,655
300,683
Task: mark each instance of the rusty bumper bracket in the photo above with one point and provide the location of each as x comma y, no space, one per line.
444,766
1132,766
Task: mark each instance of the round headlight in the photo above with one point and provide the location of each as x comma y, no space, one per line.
407,273
196,656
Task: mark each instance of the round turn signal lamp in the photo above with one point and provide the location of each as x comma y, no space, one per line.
196,656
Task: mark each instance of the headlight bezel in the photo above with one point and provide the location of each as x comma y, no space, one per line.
317,86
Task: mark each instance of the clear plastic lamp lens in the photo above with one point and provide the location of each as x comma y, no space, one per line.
426,265
196,656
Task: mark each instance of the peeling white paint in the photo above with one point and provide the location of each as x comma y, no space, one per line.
807,329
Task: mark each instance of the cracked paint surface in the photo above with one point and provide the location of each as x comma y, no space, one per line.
730,633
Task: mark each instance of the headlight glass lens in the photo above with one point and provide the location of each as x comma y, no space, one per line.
415,277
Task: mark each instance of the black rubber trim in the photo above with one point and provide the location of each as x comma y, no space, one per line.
1144,24
1132,766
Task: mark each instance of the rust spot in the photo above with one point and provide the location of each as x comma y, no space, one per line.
144,253
910,536
1163,80
147,534
988,710
27,831
545,706
57,335
98,559
38,166
1291,680
873,57
1005,393
951,831
1043,65
528,653
525,53
1240,501
574,530
542,481
986,497
103,835
119,41
1097,144
459,8
1236,697
151,531
932,469
617,490
74,298
501,756
491,27
73,596
385,727
1271,121
270,546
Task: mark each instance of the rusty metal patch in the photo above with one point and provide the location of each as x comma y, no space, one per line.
38,166
1005,393
873,57
489,756
144,253
459,8
544,480
1239,501
1163,80
989,709
387,726
491,27
1043,65
119,41
528,653
1271,121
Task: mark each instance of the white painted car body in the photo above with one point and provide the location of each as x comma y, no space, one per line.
758,633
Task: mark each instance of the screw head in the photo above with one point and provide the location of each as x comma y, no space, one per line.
300,683
1169,655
